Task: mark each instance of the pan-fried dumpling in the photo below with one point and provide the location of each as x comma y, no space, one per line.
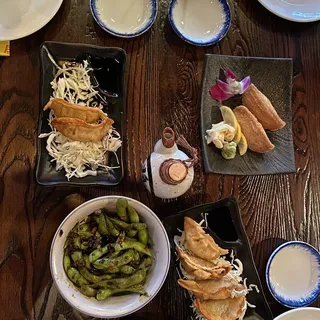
229,309
200,243
201,269
212,289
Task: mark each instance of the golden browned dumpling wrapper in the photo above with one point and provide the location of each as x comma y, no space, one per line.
212,289
261,107
252,129
200,243
228,309
201,269
64,109
80,130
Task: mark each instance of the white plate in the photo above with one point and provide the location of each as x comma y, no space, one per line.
20,18
294,10
301,314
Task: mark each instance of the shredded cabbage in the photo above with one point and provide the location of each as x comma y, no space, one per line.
79,159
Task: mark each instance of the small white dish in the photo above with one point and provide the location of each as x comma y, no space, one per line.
20,18
124,18
293,274
294,10
200,22
300,314
117,306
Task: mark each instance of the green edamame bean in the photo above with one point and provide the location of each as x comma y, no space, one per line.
127,270
105,293
143,236
112,229
121,224
122,205
84,235
76,256
138,226
122,283
96,254
133,215
133,245
88,291
75,276
107,263
92,277
66,262
132,233
103,229
136,257
84,245
114,254
145,264
84,227
86,261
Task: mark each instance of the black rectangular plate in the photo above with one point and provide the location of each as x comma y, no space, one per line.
226,228
45,172
274,78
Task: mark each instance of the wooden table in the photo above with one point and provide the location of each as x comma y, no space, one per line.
163,89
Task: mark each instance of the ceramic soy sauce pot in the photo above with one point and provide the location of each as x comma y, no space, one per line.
168,172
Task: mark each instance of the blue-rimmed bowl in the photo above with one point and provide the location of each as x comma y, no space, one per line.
200,22
293,274
121,19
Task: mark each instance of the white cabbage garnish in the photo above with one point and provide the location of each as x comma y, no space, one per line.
79,159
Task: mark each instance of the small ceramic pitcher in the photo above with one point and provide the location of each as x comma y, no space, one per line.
168,172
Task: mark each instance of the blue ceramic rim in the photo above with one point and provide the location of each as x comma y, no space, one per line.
313,296
216,39
94,11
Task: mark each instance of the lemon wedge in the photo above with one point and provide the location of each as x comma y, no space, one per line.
238,134
243,145
229,117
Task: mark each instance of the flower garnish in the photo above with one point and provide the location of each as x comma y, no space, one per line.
224,90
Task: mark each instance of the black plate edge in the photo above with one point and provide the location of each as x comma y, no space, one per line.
236,216
203,140
124,111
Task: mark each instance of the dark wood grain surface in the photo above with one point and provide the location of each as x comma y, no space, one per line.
163,89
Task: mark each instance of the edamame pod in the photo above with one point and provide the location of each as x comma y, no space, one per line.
122,205
127,270
107,263
76,257
145,264
84,227
112,229
96,254
86,261
66,262
123,283
133,215
143,236
121,224
138,226
75,276
132,233
105,293
92,277
88,291
103,229
133,245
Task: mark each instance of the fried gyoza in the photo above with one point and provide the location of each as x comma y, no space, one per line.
252,129
80,130
212,289
202,269
262,109
200,243
229,309
64,109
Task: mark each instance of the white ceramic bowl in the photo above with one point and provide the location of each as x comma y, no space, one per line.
300,314
120,306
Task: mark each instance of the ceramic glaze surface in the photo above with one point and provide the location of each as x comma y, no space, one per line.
124,17
19,18
294,10
301,314
199,20
293,274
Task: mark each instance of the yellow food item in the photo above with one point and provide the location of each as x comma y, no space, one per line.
229,117
5,48
243,145
238,133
